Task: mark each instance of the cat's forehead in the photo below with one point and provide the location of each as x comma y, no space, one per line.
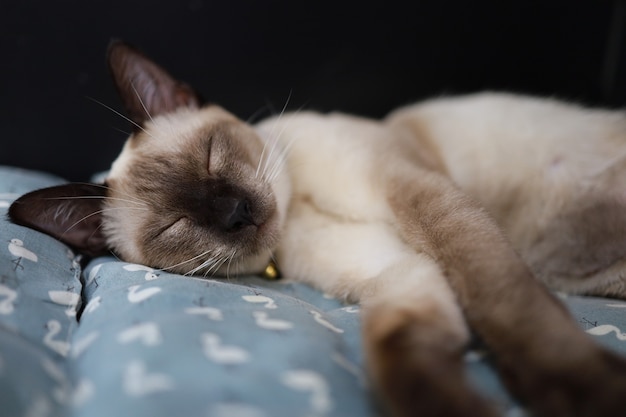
186,136
173,130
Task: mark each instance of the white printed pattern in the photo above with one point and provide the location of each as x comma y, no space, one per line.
312,383
17,249
351,309
93,305
607,329
139,382
263,320
475,356
318,318
64,392
269,303
39,407
59,346
146,333
66,298
7,299
135,295
222,354
234,410
93,274
149,272
7,198
210,312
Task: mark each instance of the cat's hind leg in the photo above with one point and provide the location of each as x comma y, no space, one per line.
541,352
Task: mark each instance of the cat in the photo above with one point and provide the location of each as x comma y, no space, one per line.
445,216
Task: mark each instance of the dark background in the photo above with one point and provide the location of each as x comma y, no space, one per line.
364,57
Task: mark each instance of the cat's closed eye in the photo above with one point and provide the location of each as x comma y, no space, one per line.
174,228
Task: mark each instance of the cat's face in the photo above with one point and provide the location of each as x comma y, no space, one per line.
193,192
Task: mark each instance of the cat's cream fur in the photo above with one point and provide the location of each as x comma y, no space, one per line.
436,219
537,164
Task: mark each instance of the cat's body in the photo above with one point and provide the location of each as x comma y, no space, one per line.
530,162
396,214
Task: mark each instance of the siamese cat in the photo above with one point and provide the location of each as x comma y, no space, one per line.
445,216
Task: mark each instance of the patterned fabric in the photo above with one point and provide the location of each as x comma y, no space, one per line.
117,339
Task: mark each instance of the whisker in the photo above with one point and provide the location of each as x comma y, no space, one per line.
194,270
227,258
271,133
274,141
250,120
96,213
275,144
91,197
145,109
115,256
121,131
279,163
272,256
238,262
232,256
208,263
206,272
121,115
263,159
108,187
126,200
216,265
132,85
270,173
186,262
270,106
258,167
286,103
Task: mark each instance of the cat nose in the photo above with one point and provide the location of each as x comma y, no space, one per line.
241,215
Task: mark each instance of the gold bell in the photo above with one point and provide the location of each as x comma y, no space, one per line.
271,271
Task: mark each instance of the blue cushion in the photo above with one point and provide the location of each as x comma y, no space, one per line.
118,339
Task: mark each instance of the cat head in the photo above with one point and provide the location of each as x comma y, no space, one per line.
195,190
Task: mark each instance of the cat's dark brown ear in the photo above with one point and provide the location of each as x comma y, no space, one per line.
146,89
71,213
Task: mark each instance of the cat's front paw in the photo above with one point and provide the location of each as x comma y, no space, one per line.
594,388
